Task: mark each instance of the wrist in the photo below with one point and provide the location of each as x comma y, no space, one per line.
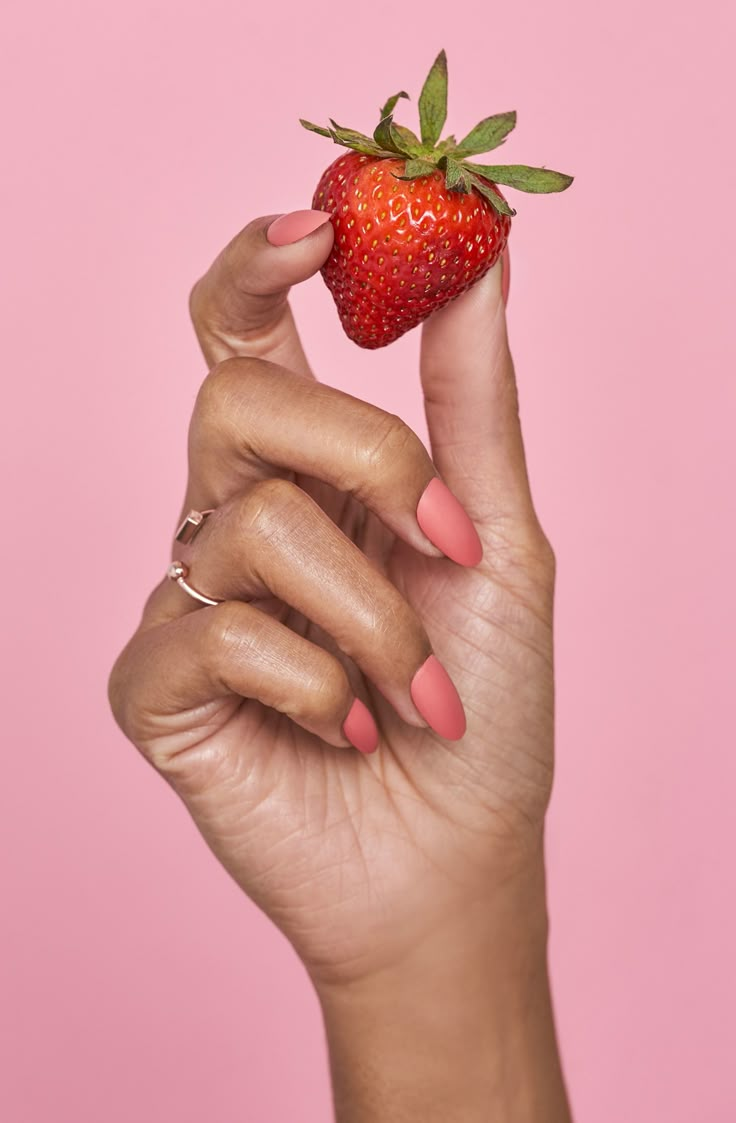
461,1028
507,923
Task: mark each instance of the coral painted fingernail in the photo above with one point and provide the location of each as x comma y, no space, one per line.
434,695
360,728
290,228
445,522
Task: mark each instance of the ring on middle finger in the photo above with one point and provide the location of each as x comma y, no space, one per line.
186,532
191,524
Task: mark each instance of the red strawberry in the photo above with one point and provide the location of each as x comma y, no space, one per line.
402,249
415,223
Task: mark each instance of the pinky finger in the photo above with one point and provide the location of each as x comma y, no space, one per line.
175,680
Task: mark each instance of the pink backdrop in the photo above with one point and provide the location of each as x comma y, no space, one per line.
137,982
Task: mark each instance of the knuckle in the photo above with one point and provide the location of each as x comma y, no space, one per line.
224,634
224,387
268,505
116,693
397,628
124,687
388,443
195,302
329,693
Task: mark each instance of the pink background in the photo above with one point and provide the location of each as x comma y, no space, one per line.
137,981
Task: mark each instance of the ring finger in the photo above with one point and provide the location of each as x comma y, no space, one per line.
274,539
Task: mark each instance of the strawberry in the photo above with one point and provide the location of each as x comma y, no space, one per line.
415,223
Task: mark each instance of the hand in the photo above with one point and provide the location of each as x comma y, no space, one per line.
363,860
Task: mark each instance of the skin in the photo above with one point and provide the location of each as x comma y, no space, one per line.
410,881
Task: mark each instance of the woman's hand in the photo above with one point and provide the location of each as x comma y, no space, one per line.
418,865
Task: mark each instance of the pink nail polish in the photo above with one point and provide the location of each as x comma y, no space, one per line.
445,522
290,228
360,728
434,695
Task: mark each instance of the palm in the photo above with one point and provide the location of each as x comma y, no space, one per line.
335,846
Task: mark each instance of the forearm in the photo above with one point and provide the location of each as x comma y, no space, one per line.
464,1032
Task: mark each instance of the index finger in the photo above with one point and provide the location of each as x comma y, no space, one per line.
240,307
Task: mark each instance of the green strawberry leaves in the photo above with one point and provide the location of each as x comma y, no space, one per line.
391,105
410,143
523,178
353,140
386,136
423,157
456,176
315,128
388,140
415,169
487,135
433,102
499,205
396,138
347,137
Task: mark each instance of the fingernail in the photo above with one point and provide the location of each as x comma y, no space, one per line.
446,523
434,695
291,227
505,274
360,728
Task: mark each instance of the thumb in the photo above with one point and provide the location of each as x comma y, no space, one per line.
471,403
239,306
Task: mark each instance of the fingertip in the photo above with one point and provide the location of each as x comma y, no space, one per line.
447,524
243,294
460,317
360,728
491,286
294,226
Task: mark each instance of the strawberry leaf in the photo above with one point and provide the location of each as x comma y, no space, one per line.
456,176
391,105
410,142
350,139
448,144
414,169
388,137
487,135
433,102
315,128
536,180
499,205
